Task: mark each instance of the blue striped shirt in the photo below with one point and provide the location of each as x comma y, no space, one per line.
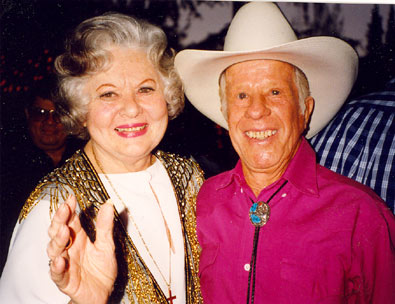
360,142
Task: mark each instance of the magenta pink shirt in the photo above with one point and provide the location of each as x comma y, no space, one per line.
328,239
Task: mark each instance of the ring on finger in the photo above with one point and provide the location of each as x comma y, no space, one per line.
69,243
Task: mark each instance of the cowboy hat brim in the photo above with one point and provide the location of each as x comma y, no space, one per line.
330,64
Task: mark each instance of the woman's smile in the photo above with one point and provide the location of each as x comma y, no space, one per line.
132,130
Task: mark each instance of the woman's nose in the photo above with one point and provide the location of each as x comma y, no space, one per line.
130,107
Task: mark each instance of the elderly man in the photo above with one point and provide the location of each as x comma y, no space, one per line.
28,158
279,228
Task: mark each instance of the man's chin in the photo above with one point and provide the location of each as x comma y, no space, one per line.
50,145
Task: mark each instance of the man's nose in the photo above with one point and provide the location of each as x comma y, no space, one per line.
50,120
258,107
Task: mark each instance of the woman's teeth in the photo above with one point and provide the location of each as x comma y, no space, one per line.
135,129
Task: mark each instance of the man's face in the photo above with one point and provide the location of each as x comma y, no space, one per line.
45,129
264,116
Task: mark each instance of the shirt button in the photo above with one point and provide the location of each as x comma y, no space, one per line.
247,267
284,195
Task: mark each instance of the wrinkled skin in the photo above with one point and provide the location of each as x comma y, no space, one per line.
265,119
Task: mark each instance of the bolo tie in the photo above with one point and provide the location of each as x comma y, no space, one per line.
259,215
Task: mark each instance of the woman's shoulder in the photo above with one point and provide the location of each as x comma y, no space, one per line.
75,174
184,173
77,162
176,162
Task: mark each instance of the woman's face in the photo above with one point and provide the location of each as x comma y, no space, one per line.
127,113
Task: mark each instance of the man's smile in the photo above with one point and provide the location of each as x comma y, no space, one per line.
260,134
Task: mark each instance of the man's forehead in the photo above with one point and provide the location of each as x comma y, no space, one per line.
43,102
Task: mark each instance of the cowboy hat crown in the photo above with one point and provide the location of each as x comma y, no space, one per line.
269,32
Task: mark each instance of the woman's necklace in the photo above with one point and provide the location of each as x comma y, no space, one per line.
171,244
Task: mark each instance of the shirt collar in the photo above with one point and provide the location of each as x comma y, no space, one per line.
235,174
301,172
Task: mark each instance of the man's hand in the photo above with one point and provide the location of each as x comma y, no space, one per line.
83,270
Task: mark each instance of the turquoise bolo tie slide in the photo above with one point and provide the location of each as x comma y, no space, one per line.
259,214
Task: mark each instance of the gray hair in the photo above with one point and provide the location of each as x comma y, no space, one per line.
300,81
87,53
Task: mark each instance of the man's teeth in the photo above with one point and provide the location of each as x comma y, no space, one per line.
260,134
130,129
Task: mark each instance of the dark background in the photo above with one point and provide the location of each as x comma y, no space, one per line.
32,35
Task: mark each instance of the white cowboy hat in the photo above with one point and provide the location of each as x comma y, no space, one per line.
260,31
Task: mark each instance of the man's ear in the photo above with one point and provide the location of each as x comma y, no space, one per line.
224,111
309,107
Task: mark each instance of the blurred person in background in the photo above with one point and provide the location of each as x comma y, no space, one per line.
45,128
360,142
43,146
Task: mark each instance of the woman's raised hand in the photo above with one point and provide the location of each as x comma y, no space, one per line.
83,270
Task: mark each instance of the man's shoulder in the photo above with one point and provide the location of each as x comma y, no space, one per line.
345,186
350,199
372,103
217,181
384,97
211,193
214,186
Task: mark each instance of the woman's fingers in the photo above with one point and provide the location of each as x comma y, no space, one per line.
59,231
58,244
104,226
74,221
60,218
71,202
58,271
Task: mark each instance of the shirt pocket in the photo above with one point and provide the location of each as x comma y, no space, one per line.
308,283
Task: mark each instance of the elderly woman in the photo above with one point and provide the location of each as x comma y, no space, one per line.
118,87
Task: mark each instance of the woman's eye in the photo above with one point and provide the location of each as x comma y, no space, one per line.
146,90
107,95
275,92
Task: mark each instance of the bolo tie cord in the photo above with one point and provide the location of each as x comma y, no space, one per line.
252,272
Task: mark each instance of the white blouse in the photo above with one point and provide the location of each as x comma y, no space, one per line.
135,191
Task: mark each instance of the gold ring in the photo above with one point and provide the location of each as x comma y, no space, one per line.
69,243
